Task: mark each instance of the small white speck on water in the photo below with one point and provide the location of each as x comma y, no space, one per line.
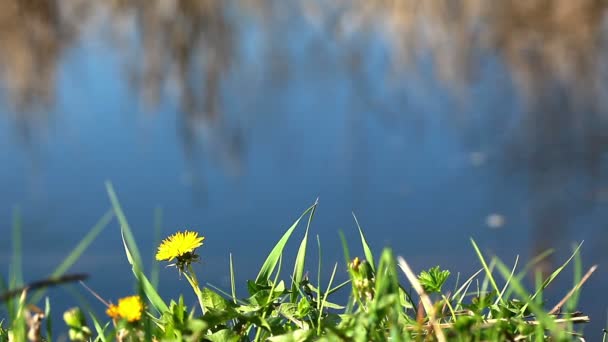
495,221
477,158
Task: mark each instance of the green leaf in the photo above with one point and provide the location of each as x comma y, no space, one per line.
133,255
145,285
99,329
298,270
214,301
368,252
433,279
556,272
292,336
135,258
232,281
489,275
224,335
49,321
273,258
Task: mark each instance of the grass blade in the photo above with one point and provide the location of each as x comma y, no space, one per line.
133,255
144,284
485,267
232,281
77,252
124,228
555,274
15,277
324,299
298,269
368,252
273,258
99,329
49,321
518,288
504,289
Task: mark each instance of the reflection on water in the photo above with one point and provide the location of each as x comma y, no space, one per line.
521,84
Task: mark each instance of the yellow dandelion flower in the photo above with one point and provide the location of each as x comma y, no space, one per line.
179,245
129,308
112,311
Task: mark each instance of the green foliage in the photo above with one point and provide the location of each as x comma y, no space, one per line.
294,309
433,279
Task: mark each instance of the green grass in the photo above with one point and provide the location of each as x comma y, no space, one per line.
491,305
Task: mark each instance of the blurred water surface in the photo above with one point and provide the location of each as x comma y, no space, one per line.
433,121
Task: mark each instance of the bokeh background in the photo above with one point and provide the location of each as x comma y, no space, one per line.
434,121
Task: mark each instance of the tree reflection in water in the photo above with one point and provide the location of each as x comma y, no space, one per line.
553,51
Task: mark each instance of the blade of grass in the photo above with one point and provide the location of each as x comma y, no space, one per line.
499,298
272,259
15,277
133,255
124,227
319,274
145,285
232,281
77,252
345,249
351,301
543,318
424,298
485,267
16,267
578,279
574,291
555,274
19,324
98,328
298,269
222,292
324,299
49,320
368,252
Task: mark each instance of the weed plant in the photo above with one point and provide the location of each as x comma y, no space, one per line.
283,304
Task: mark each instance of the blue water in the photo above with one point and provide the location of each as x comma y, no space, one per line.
296,117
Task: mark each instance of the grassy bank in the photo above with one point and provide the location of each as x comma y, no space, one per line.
387,300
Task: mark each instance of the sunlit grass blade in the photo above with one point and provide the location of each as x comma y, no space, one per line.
345,248
298,269
77,252
578,275
133,255
232,281
18,323
485,267
324,299
272,259
124,227
145,285
16,267
555,273
226,294
48,319
542,256
15,277
504,289
99,329
542,317
320,258
368,252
